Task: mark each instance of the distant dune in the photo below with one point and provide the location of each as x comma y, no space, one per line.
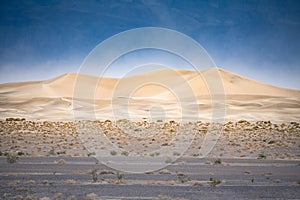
163,93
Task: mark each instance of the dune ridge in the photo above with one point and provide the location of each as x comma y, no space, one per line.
162,93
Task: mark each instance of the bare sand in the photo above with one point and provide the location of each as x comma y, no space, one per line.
160,94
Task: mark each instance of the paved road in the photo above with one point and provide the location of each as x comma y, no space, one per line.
240,179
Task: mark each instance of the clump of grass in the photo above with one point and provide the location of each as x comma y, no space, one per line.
176,154
60,152
94,175
218,161
11,158
52,152
214,182
91,154
113,153
182,178
106,172
169,160
120,177
262,156
154,154
125,153
20,153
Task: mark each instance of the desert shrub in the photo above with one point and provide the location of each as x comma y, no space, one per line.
125,153
60,152
91,154
182,178
155,154
120,177
11,158
94,175
20,153
15,119
176,154
214,182
262,156
218,161
113,153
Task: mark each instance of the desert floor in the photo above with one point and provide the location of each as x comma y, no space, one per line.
53,160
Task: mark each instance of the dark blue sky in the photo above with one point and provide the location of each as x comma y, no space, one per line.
258,39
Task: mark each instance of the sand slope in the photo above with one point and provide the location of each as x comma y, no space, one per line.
157,94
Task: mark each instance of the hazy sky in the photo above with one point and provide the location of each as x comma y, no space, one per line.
257,39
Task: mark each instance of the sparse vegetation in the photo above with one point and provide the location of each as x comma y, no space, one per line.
125,153
52,152
176,154
94,175
214,182
14,119
262,156
11,158
91,154
182,178
120,177
106,172
169,160
155,154
20,153
218,161
60,152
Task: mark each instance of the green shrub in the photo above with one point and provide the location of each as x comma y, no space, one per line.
20,153
218,161
214,182
262,156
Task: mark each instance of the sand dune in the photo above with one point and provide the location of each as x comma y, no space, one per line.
164,93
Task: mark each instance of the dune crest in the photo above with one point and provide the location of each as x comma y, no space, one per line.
160,93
